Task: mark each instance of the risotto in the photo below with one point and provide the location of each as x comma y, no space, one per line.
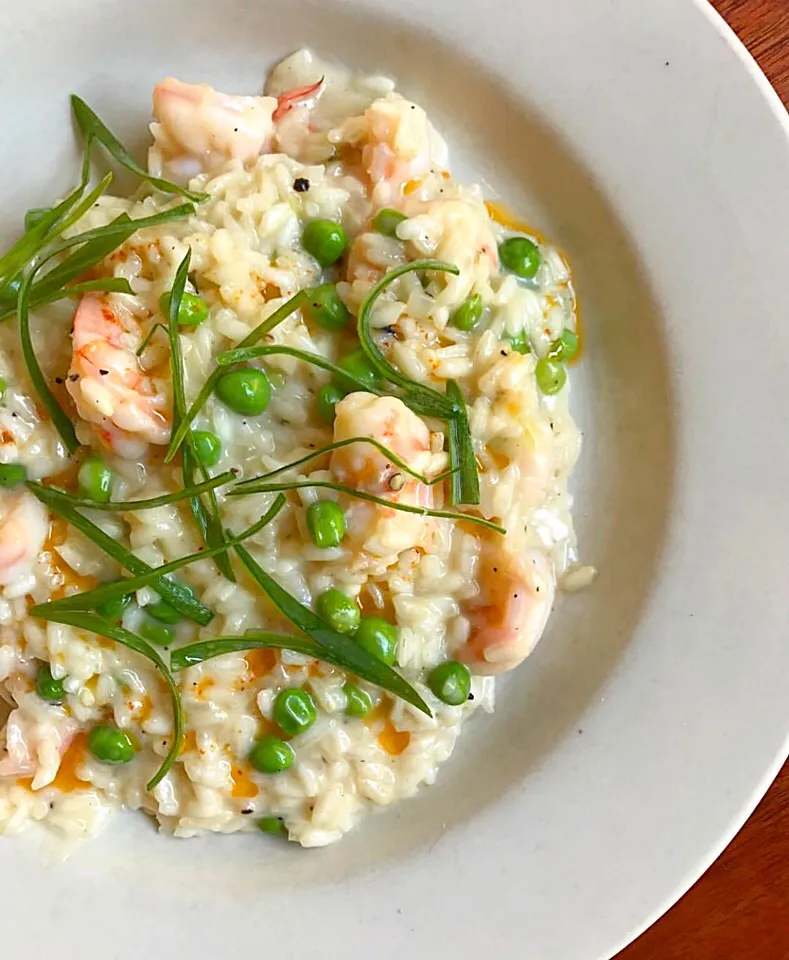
284,460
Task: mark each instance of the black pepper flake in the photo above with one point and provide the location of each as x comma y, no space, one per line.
503,353
515,596
413,107
235,129
301,184
59,380
14,414
471,696
104,372
73,377
495,569
234,470
247,812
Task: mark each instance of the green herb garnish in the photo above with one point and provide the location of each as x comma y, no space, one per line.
93,129
195,653
259,485
347,653
175,593
96,624
465,478
122,506
339,444
206,518
91,599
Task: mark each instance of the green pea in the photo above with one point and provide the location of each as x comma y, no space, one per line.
358,365
328,395
566,347
270,754
359,701
379,638
450,682
35,215
95,480
274,826
192,311
520,343
387,221
326,523
468,314
47,687
339,611
325,240
520,256
159,634
325,308
294,711
551,375
110,744
207,447
246,391
163,611
113,609
12,474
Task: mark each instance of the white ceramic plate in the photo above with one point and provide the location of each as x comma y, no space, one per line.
632,745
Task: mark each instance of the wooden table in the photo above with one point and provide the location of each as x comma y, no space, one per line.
739,910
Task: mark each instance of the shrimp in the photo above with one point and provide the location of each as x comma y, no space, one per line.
35,747
107,383
298,97
401,145
381,530
200,128
518,593
24,527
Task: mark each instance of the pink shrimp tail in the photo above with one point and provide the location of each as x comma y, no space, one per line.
296,97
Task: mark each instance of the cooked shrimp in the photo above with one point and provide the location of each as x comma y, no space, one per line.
108,385
24,526
34,748
401,145
200,127
362,466
517,596
298,97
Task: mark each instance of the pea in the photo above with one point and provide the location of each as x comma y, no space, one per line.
192,311
245,391
326,309
294,711
566,347
468,314
12,474
95,480
328,395
3,387
551,375
326,523
110,744
325,240
450,682
358,365
271,755
274,826
163,611
520,256
207,447
35,215
47,687
379,638
159,634
387,221
520,343
339,611
359,701
113,609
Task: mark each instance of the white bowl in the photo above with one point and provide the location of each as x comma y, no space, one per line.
635,741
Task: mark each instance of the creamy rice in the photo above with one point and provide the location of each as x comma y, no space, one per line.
428,576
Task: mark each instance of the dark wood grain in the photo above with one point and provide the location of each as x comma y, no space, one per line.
739,910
